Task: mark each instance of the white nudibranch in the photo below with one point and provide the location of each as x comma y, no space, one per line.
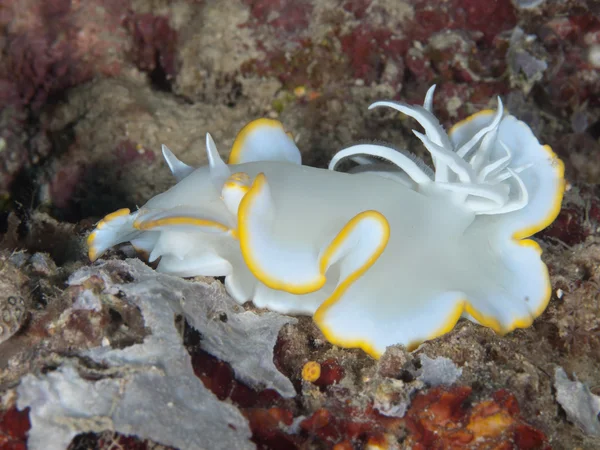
390,252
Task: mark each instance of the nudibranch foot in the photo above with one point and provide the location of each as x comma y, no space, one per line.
393,252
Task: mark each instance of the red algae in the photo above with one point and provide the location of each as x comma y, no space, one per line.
218,376
368,49
53,45
571,83
344,445
154,43
575,222
270,416
64,183
48,47
14,425
127,152
441,419
568,227
488,18
331,373
282,15
269,425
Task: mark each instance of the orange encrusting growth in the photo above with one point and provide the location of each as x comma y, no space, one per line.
311,371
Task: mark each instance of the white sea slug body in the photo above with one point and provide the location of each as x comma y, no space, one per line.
392,253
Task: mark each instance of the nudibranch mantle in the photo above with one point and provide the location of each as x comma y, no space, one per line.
391,252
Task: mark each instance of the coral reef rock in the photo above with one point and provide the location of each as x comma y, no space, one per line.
122,395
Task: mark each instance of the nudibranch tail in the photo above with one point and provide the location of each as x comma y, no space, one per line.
115,228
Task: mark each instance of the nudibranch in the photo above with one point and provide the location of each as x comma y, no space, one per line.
392,251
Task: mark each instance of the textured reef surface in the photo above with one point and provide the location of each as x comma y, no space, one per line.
112,355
